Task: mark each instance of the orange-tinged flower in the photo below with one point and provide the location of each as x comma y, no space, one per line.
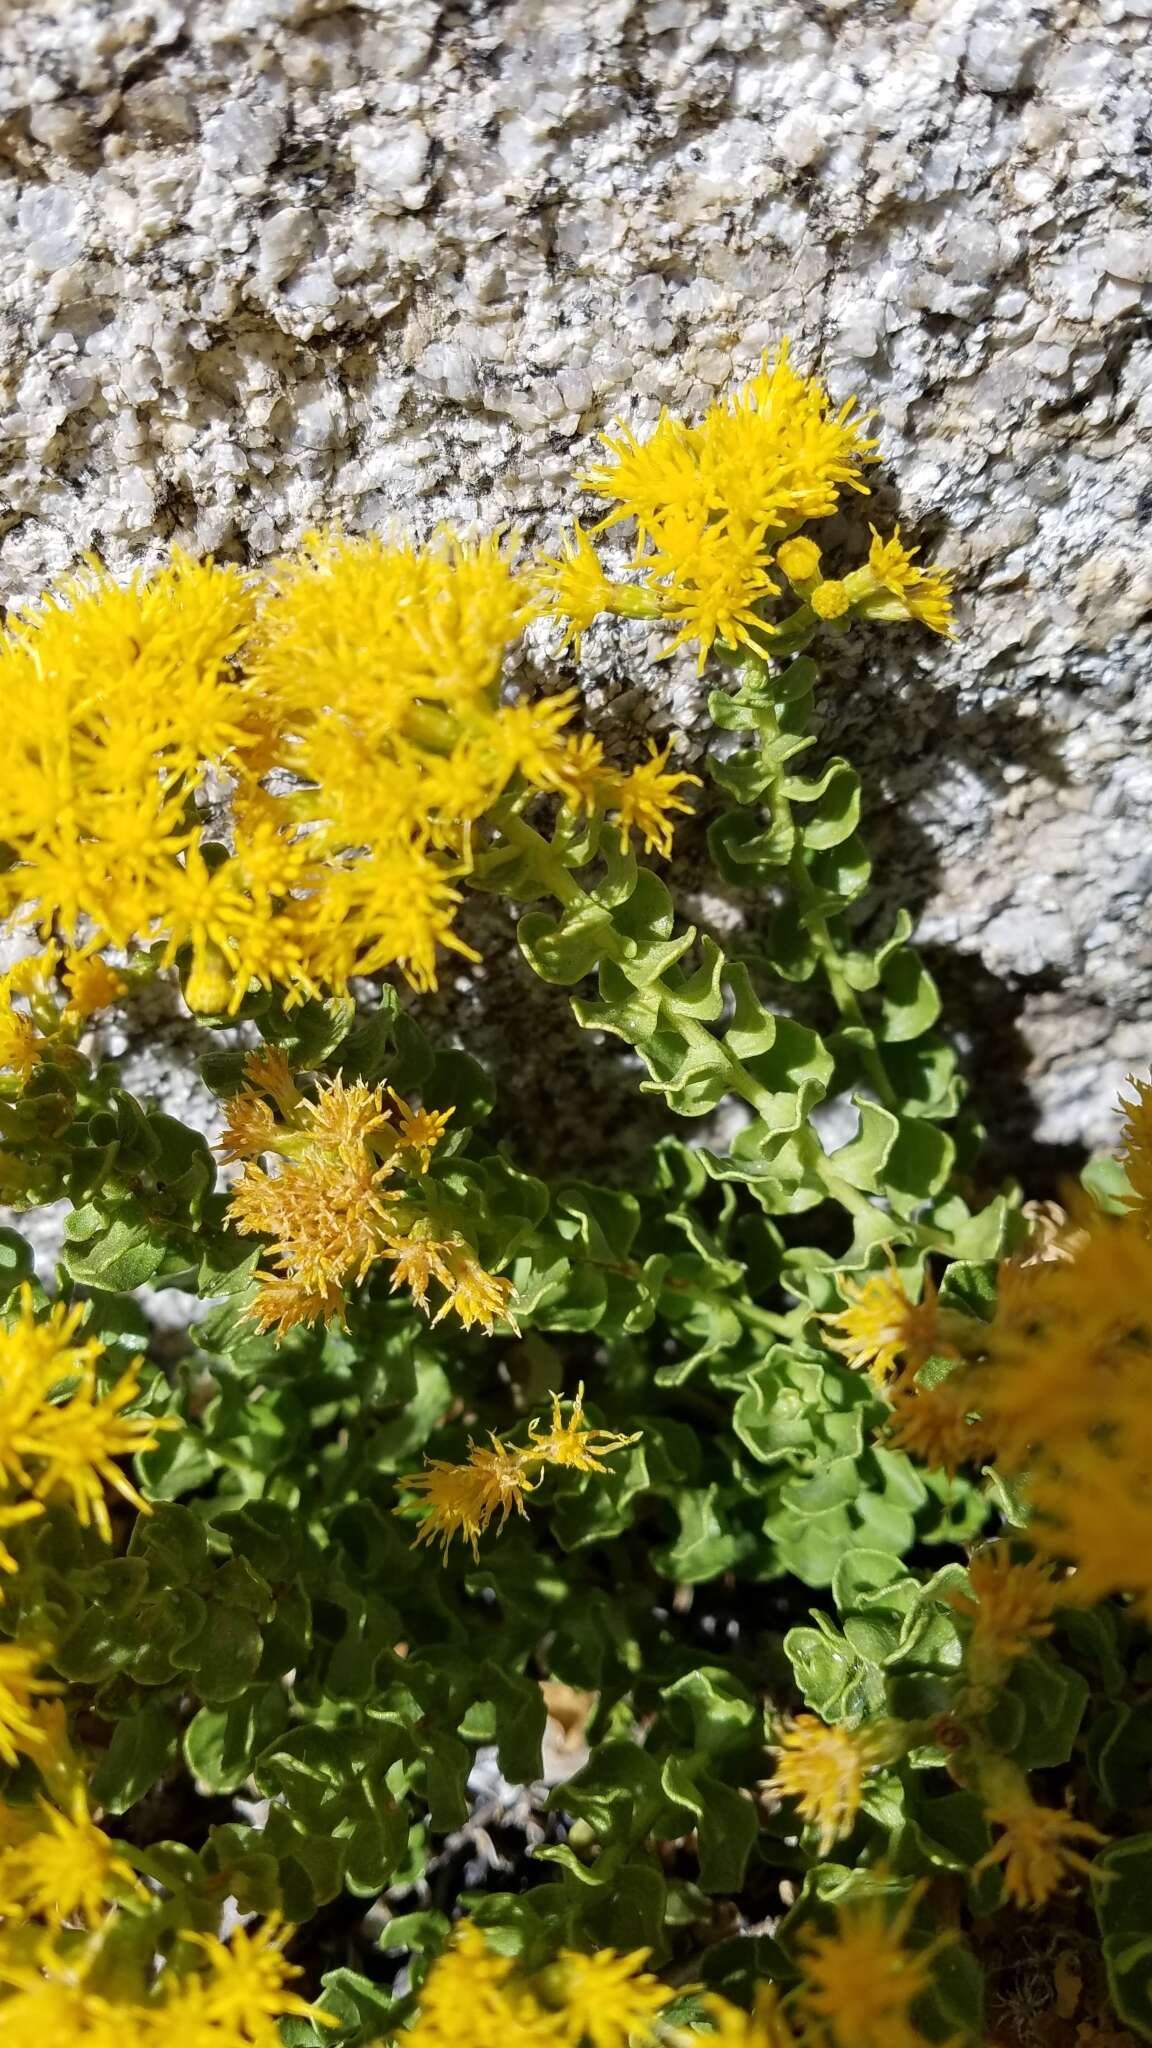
1035,1846
1009,1608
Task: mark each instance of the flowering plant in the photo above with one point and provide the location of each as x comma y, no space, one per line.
779,1521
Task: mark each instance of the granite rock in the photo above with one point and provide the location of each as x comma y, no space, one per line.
274,262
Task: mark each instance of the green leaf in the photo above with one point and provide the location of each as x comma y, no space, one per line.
722,1710
122,1252
705,1546
910,998
15,1263
1123,1900
1037,1716
726,1823
221,1743
448,1762
143,1748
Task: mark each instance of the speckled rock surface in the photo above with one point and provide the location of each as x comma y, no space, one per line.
269,262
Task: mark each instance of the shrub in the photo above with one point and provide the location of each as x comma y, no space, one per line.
806,1484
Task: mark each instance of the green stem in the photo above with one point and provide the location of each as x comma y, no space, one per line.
549,869
812,915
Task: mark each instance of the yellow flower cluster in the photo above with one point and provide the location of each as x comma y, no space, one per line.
65,1890
45,1001
462,1500
860,1984
232,1999
1054,1389
716,507
350,709
60,1436
1062,1394
346,1190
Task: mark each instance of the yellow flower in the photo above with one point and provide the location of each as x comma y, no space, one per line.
712,500
336,1201
602,2000
59,2013
823,1769
420,1129
249,1127
266,1069
67,1447
92,985
574,586
571,1443
21,1046
471,1995
1009,1607
244,1987
1062,1395
1136,1149
644,797
799,559
20,1688
923,594
462,1500
882,1330
766,2026
714,582
474,1295
1035,1845
68,1867
830,600
861,1982
353,712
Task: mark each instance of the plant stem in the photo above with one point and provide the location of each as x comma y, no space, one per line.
549,869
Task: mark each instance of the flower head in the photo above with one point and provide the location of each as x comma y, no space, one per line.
1062,1395
245,1986
462,1500
882,1329
903,587
1009,1607
66,1867
645,797
572,1443
1035,1845
56,1445
20,1689
799,559
340,1195
823,1769
831,599
603,2000
935,1424
862,1981
712,500
574,586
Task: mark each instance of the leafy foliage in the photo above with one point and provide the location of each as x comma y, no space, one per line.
753,1539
